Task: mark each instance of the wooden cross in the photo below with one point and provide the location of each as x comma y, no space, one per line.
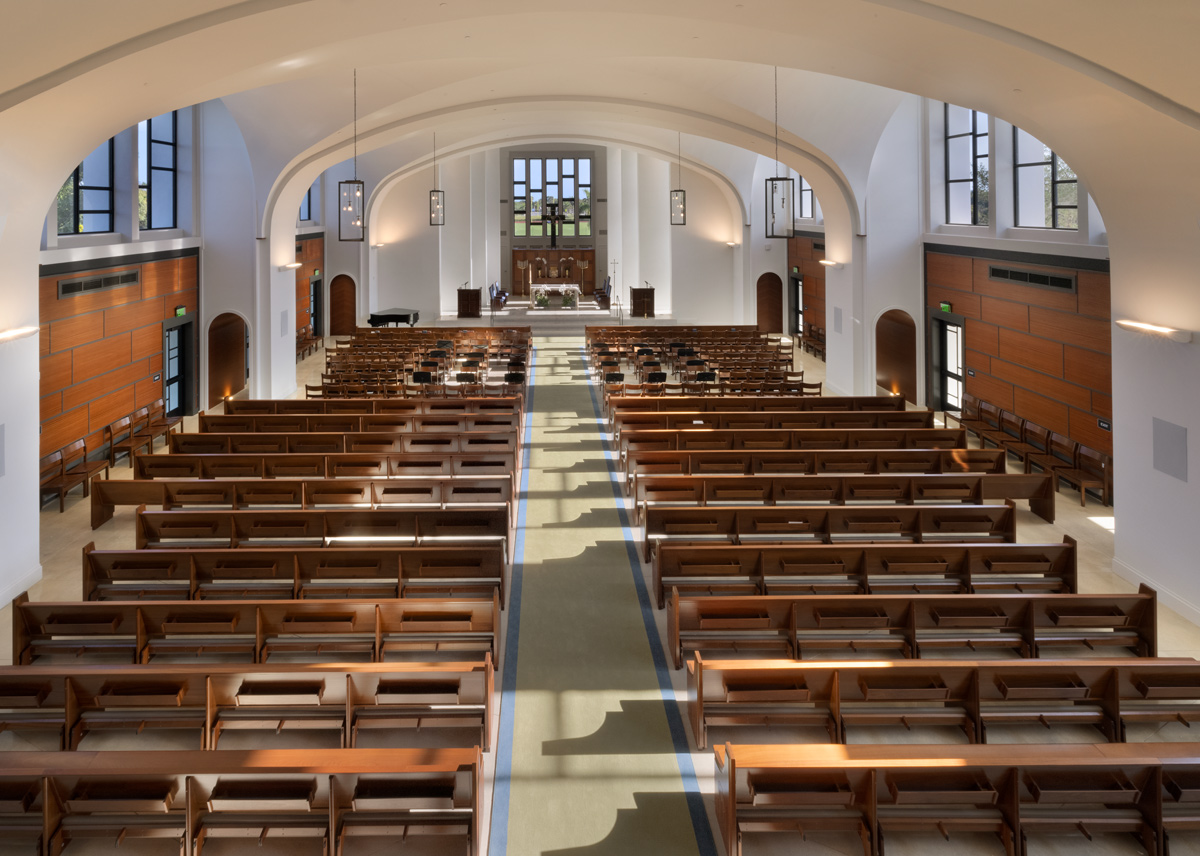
553,218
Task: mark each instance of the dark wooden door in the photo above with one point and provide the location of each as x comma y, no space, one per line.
226,357
770,303
343,316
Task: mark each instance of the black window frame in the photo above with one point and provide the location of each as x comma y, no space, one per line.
78,189
305,212
155,174
1056,165
522,191
980,214
805,200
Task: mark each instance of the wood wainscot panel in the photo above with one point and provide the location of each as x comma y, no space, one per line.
1094,293
147,340
147,391
110,408
1071,329
1087,368
189,273
156,363
125,318
1086,430
43,340
52,308
981,337
990,389
963,302
1032,352
50,406
1052,387
1042,411
162,277
63,429
82,393
99,357
1102,404
56,372
79,330
1051,298
1005,313
948,271
186,299
981,363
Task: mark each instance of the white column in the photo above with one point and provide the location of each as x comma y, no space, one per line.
654,221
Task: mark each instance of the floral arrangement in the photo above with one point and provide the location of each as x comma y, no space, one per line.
541,298
569,298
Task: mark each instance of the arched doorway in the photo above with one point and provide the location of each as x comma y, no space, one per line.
770,303
896,354
226,357
343,316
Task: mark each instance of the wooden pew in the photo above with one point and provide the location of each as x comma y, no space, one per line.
945,568
330,795
779,439
254,631
301,493
975,488
294,423
1109,695
331,466
811,462
189,529
70,702
875,791
294,574
362,442
757,404
911,626
828,524
813,420
411,406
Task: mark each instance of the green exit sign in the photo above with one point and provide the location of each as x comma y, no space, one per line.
180,311
944,306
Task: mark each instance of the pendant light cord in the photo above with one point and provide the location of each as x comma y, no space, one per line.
776,121
356,124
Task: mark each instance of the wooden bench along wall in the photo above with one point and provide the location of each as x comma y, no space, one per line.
330,466
872,791
946,568
346,423
827,524
68,703
781,439
811,462
254,631
299,573
330,795
189,529
338,443
812,420
1112,696
911,625
652,491
497,405
169,494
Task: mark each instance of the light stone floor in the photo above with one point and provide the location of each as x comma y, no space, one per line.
572,791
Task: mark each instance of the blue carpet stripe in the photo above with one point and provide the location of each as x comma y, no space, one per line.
498,836
683,754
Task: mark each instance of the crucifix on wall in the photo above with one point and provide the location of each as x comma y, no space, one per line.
553,218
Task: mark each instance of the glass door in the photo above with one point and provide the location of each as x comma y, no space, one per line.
946,362
173,377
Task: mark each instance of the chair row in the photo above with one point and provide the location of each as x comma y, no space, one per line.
408,406
911,626
324,443
624,419
856,568
861,437
68,468
1076,464
325,466
353,423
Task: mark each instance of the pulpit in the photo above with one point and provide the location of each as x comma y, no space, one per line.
641,302
469,301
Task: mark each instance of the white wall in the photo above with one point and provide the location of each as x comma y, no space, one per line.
629,271
654,238
456,234
703,266
407,266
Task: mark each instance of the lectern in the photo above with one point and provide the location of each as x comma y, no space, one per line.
641,302
469,302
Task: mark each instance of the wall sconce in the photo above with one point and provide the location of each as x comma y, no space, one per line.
379,246
731,243
291,265
1154,329
17,333
829,263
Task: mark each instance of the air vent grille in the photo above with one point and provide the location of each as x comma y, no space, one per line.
1042,279
86,284
819,246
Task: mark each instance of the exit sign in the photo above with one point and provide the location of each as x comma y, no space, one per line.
180,311
945,307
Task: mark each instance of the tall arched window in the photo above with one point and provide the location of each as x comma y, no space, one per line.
1046,190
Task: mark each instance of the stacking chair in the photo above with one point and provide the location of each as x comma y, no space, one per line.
75,462
55,479
1034,441
1062,454
120,437
1094,469
809,389
160,419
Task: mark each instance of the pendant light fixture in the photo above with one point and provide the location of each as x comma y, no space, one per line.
779,210
350,193
678,197
437,198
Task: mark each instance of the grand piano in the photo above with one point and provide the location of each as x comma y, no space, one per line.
394,316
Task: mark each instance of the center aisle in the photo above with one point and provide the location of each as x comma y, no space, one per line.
593,763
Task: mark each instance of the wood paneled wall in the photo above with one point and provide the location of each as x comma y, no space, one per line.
803,255
100,351
1042,353
310,252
